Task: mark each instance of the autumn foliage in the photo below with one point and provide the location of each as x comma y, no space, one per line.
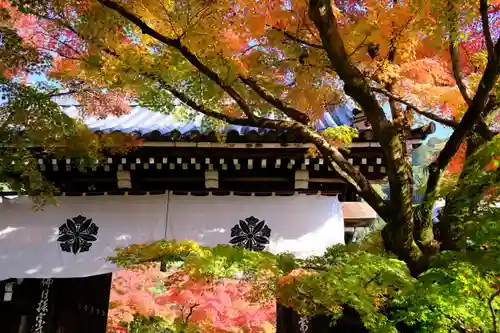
278,64
104,52
177,298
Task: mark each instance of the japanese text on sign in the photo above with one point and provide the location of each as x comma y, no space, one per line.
42,307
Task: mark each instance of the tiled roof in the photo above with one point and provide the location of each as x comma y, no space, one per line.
155,126
145,121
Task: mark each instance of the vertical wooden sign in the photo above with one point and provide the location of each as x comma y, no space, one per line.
41,324
289,321
304,324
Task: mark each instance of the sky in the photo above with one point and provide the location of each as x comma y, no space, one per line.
442,132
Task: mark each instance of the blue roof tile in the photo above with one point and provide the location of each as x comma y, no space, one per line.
145,121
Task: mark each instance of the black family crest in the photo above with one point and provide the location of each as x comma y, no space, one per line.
77,234
251,234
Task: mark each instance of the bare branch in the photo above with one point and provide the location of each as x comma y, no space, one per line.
426,113
432,116
198,16
298,40
58,93
298,60
177,44
169,19
360,45
191,310
482,128
277,103
62,55
251,47
483,9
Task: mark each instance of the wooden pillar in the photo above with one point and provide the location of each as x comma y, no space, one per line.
289,321
83,304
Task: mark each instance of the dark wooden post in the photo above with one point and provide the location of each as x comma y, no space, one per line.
289,321
83,304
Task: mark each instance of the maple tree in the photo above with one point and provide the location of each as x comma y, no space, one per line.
459,292
278,64
32,125
184,304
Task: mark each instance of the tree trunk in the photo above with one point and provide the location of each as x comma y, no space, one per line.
398,235
457,205
398,239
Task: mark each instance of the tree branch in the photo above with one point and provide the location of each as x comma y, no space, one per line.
457,72
454,52
289,111
432,116
469,120
356,86
492,310
396,109
398,234
256,121
333,156
483,9
177,44
482,128
58,93
426,113
360,45
191,310
330,153
298,40
346,170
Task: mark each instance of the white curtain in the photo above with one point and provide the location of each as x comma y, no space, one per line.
75,238
301,224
